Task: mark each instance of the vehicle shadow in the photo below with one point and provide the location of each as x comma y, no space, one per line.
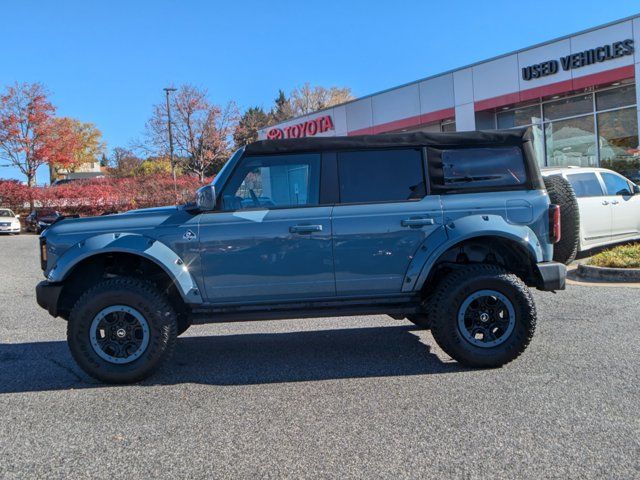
244,359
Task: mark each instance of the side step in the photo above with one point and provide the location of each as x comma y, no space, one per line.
215,314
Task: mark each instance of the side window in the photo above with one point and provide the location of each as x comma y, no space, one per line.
469,168
274,181
616,185
381,176
585,184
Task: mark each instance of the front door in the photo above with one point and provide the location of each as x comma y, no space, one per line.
382,219
625,207
270,239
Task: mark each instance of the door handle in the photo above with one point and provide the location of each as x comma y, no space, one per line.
416,222
305,228
604,202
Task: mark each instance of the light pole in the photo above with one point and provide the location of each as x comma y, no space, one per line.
168,91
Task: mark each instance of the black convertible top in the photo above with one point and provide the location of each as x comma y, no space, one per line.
388,140
434,142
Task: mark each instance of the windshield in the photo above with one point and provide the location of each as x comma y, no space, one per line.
6,213
224,173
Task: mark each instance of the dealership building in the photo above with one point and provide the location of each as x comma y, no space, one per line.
578,93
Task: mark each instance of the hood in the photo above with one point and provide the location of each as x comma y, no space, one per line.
168,209
146,218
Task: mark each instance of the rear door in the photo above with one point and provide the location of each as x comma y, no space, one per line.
382,217
595,209
625,206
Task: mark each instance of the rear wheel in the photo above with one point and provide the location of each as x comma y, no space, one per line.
483,316
121,330
561,193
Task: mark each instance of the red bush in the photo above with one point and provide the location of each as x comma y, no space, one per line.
93,197
15,195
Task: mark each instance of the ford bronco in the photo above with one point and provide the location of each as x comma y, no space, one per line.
447,230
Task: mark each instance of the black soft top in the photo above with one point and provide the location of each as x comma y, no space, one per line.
514,137
434,142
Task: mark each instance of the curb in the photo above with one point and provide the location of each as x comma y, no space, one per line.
609,274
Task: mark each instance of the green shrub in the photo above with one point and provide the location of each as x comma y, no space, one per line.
623,256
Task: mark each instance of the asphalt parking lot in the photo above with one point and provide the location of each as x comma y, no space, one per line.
348,397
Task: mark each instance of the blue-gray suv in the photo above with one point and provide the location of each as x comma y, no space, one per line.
446,230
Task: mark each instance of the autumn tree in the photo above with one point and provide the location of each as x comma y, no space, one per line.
85,143
202,131
308,99
250,122
30,136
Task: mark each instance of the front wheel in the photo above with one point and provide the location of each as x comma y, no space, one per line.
121,330
483,316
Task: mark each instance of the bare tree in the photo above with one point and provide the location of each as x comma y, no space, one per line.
307,99
123,163
202,131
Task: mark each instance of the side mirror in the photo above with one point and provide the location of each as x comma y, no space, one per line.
206,198
18,217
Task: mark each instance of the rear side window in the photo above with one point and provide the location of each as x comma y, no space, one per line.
473,168
381,176
585,184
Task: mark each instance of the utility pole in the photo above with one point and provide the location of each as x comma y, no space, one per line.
168,91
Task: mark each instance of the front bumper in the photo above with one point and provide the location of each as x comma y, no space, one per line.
47,295
553,276
10,229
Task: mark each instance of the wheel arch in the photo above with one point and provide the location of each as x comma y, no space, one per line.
134,255
516,249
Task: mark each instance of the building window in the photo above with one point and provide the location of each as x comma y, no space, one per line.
618,140
591,129
571,142
519,117
448,126
616,98
568,107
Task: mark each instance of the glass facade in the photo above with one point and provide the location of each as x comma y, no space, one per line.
589,129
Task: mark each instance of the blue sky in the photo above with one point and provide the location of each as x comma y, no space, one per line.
107,62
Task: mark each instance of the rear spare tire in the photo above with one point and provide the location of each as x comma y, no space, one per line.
561,193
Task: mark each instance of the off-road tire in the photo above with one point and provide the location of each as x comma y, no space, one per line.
450,295
135,293
561,193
